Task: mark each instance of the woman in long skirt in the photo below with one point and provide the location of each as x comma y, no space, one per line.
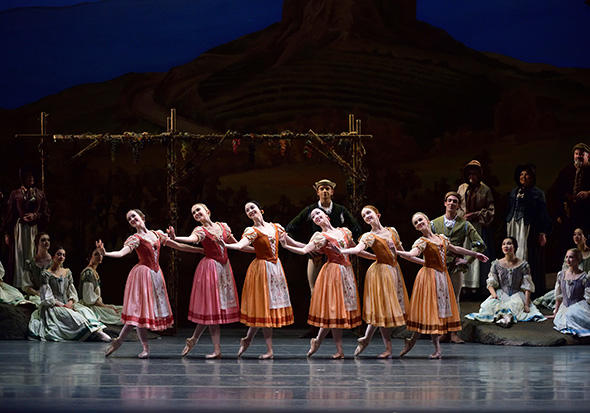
214,298
510,285
433,308
265,296
92,296
385,301
334,303
572,293
145,304
60,316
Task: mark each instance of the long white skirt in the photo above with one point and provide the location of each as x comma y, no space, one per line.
574,319
493,309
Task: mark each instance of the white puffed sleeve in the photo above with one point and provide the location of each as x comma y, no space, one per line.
226,228
420,243
558,291
132,242
368,239
45,292
396,239
318,240
162,236
527,281
348,236
71,292
199,234
250,234
493,277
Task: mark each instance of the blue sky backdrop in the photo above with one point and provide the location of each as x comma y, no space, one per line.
65,43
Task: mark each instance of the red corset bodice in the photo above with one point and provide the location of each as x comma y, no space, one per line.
212,248
148,254
333,255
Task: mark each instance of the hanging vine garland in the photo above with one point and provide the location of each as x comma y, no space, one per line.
349,146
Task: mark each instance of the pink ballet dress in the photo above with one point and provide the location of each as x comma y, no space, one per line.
214,298
145,303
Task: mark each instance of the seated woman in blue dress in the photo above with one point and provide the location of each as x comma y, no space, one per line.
510,285
572,293
548,300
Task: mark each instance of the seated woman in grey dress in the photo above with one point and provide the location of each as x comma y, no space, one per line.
548,300
91,296
572,293
510,286
60,317
34,267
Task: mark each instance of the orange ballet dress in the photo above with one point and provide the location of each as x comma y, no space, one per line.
385,302
334,302
265,296
433,308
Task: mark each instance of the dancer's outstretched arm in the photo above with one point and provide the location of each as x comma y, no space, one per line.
113,254
172,235
306,249
247,248
464,251
240,245
183,247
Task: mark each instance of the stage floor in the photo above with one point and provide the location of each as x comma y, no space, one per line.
74,376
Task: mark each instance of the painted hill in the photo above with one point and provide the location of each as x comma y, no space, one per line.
411,83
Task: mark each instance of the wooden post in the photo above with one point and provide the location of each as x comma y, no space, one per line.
171,180
42,148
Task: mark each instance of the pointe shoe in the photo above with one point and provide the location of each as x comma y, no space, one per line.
384,355
190,343
456,340
244,344
337,356
409,344
104,337
266,356
144,354
435,356
213,356
314,345
362,345
115,344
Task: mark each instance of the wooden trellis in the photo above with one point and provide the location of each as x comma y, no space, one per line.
325,144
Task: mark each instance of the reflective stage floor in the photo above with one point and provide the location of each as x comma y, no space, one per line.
76,376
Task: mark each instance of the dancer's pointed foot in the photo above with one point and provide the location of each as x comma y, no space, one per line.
190,343
314,345
244,344
115,344
104,337
266,356
144,354
436,356
409,344
455,339
337,356
384,355
363,342
213,356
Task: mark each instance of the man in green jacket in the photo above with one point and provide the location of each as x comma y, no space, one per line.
457,230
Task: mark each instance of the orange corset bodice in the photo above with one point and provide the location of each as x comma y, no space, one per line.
383,253
435,256
266,248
